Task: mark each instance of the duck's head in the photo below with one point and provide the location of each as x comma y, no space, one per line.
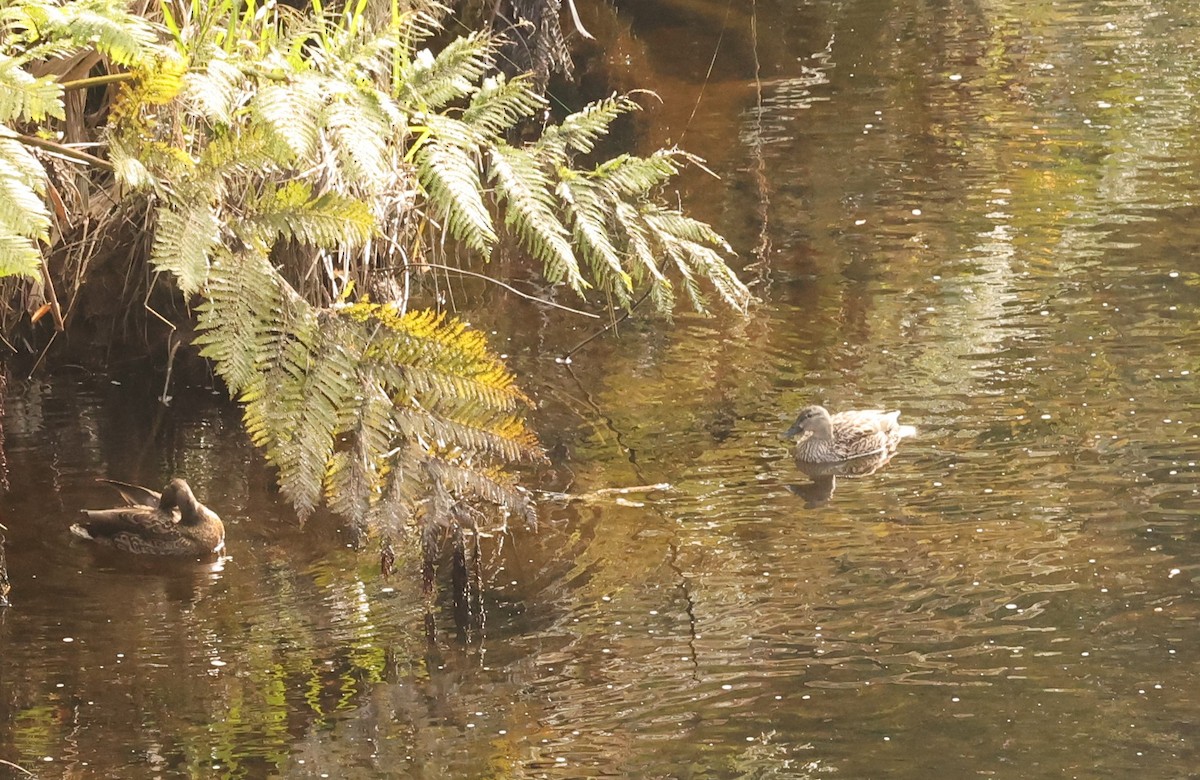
178,494
811,420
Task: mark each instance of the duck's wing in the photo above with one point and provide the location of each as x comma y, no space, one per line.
133,529
102,523
135,495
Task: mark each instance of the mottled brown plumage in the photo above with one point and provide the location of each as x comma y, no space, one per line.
826,438
170,523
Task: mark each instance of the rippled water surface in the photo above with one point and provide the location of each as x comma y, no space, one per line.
983,214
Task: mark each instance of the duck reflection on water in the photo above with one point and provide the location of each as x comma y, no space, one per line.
847,444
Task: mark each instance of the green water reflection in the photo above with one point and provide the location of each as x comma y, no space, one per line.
983,214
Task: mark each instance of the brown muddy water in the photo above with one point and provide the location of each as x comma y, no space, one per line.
983,214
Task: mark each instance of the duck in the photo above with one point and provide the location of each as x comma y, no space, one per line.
868,434
172,522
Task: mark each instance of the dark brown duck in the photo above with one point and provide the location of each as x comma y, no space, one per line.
169,523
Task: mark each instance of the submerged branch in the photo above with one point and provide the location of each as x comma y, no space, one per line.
506,286
17,767
566,356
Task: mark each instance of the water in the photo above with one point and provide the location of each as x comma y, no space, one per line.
981,215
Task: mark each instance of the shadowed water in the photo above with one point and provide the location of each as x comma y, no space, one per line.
981,214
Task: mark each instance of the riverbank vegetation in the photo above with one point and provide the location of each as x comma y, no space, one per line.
282,180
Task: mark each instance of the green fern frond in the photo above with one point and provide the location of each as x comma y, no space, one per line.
490,485
238,323
233,158
499,104
292,113
447,131
690,243
19,255
630,176
214,90
24,98
441,433
161,82
130,172
24,217
632,228
358,133
588,215
298,409
124,37
22,212
579,131
356,476
671,222
450,177
662,296
394,508
432,81
427,340
526,191
18,162
185,236
329,221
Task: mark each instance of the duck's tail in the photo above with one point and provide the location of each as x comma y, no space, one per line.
907,430
81,532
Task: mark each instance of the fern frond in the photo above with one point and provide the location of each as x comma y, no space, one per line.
527,194
241,319
24,217
124,37
359,134
355,476
441,434
432,81
489,485
215,90
292,113
418,341
329,221
499,104
588,214
671,222
230,159
450,177
161,82
185,236
689,243
24,98
19,255
21,163
637,239
313,386
629,176
579,131
129,170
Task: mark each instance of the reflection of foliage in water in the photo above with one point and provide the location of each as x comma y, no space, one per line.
284,175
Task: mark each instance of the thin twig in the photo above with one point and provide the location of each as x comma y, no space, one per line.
711,64
567,355
18,768
486,278
52,298
63,151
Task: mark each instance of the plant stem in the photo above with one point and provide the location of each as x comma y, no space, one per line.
65,151
96,81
